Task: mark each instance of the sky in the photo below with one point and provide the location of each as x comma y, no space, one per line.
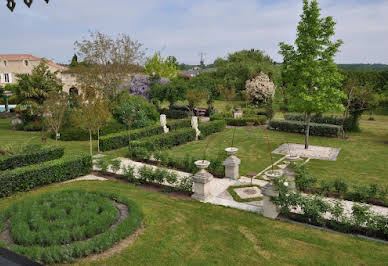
185,28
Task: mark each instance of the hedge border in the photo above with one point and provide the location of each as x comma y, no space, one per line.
325,130
26,159
79,249
29,177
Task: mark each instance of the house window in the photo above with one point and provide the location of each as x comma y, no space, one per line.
6,78
26,62
5,63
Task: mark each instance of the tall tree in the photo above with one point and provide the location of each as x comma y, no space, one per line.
32,90
74,61
107,61
54,111
158,67
310,76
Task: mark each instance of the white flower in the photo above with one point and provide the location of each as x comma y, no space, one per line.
286,184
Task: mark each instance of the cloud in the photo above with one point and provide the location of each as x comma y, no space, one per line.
184,28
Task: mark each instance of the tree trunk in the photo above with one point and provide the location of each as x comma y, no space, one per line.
56,137
98,140
307,131
90,143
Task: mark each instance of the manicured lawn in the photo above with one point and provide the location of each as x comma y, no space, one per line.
185,232
362,160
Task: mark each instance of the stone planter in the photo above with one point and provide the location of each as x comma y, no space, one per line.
292,158
232,164
273,174
201,181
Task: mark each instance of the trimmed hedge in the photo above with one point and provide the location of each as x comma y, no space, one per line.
242,122
25,159
332,120
174,113
326,130
120,140
143,148
26,178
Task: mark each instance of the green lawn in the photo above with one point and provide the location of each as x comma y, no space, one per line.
185,232
362,160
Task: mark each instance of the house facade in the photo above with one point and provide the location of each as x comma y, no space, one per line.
13,64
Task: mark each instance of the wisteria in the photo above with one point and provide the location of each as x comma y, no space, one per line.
141,84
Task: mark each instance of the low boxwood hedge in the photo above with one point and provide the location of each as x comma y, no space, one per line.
211,128
174,113
20,160
332,120
26,178
242,122
326,130
120,140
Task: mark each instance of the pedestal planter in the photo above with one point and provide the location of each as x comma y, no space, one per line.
270,210
232,164
273,174
201,181
292,158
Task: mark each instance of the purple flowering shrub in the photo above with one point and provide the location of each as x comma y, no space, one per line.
141,84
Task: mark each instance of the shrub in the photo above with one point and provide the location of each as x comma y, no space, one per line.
326,130
340,186
211,128
31,157
332,120
142,112
26,178
303,179
174,113
33,126
260,120
120,140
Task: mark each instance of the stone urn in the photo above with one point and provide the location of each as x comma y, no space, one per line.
231,151
273,174
201,181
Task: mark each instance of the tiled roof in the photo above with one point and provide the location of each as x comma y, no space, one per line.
21,57
18,57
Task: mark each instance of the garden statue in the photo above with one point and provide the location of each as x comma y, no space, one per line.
237,113
194,125
201,181
163,123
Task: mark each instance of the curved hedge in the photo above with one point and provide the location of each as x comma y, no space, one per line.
78,249
34,157
26,178
325,130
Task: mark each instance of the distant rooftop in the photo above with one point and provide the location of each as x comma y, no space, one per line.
21,57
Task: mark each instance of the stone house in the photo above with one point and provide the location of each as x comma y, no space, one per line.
13,64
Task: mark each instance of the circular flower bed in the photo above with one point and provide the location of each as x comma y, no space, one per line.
59,227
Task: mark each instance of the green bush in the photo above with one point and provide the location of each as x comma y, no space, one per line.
73,133
241,122
332,120
325,130
211,128
120,140
33,157
174,113
26,178
33,126
68,253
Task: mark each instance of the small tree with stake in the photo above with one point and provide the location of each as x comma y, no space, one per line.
309,74
54,111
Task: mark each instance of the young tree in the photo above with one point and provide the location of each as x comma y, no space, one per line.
54,111
194,97
158,67
102,114
107,61
309,73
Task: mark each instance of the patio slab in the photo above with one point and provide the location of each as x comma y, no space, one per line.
313,152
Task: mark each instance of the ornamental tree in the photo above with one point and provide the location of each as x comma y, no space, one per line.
260,89
54,111
310,76
157,66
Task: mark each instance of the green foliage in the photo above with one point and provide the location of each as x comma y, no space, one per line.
26,178
303,179
211,128
325,130
31,156
240,66
33,89
319,119
241,122
60,218
157,66
134,111
175,90
207,83
77,249
119,140
237,198
174,113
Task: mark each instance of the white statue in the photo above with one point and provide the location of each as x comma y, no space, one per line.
194,125
163,123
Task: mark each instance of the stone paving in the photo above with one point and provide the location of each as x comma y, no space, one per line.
313,152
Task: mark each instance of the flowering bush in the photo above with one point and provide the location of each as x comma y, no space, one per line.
140,85
260,89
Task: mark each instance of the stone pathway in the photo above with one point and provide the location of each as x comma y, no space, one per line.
87,178
314,152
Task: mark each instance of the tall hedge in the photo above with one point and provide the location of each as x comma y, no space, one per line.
25,159
326,130
26,178
333,120
120,140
